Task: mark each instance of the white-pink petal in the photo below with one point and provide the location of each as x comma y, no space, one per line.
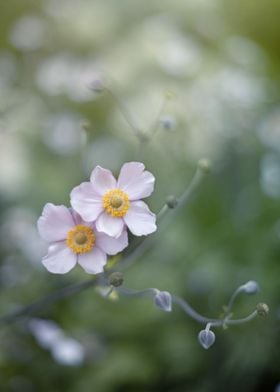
139,219
86,201
135,181
110,225
55,222
94,261
111,245
102,180
60,259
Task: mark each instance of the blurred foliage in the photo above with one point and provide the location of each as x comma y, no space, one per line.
220,61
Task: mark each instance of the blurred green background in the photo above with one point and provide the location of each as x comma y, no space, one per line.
219,61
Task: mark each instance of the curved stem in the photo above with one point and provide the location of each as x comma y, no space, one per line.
137,293
232,299
191,312
134,252
48,300
124,112
211,322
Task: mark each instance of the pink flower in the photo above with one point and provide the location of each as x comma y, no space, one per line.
114,204
72,241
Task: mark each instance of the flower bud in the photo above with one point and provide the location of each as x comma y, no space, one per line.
97,85
262,309
251,287
163,300
206,338
204,165
168,122
172,201
116,279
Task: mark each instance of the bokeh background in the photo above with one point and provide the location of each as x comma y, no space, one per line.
201,79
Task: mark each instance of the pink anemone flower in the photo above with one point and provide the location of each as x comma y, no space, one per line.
72,241
115,204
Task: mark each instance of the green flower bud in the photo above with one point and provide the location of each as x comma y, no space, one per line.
262,309
116,279
172,201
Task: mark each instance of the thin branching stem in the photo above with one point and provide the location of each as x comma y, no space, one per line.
146,243
123,110
136,251
213,322
48,300
187,308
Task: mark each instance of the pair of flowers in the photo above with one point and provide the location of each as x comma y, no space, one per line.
96,225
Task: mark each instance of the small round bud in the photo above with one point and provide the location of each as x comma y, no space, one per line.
262,309
116,279
97,85
204,165
163,300
251,287
172,201
206,338
168,122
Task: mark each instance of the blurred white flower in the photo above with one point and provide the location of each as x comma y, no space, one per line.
8,69
28,33
246,53
69,75
46,332
65,350
84,23
14,173
177,53
68,351
63,134
269,129
270,175
18,225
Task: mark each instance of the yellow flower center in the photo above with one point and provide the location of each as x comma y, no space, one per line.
80,239
116,203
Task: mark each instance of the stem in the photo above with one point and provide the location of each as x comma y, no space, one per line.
155,124
191,312
211,322
195,182
135,252
232,299
124,112
109,291
243,320
162,212
188,309
137,293
146,243
35,306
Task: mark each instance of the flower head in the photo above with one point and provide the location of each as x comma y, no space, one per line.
72,240
115,204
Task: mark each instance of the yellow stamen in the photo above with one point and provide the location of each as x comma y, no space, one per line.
116,203
80,239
